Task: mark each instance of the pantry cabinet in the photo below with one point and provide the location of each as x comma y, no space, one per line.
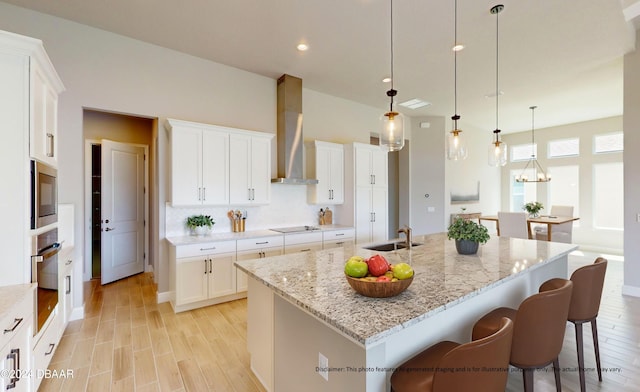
250,169
28,104
325,163
199,164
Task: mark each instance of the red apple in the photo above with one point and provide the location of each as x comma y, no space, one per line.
378,265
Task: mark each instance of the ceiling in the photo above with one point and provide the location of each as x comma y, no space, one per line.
563,56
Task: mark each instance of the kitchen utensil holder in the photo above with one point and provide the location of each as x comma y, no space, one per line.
237,225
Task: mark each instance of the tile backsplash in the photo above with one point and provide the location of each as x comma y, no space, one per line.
288,208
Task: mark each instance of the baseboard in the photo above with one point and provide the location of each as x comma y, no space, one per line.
163,297
77,313
632,291
148,268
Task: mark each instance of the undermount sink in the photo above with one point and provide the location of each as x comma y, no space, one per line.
389,246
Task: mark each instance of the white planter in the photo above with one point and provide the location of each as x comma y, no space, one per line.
200,231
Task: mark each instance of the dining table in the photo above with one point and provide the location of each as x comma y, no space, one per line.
549,220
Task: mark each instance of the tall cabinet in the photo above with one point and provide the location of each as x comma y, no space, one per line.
367,189
325,163
28,105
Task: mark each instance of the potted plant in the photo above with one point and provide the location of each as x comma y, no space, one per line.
468,235
533,208
200,224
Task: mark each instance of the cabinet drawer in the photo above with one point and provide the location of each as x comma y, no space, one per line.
302,238
338,234
46,346
260,243
205,248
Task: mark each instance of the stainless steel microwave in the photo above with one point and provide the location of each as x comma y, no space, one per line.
44,195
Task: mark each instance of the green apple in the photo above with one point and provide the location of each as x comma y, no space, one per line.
356,267
402,271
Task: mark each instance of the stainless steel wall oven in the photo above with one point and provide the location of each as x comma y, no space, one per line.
44,272
44,194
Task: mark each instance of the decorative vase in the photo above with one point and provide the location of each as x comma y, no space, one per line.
534,214
467,247
200,230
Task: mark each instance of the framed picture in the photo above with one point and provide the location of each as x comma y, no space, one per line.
465,193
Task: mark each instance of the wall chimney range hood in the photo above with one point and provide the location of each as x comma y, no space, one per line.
289,133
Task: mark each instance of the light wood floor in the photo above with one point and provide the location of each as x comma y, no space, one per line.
128,342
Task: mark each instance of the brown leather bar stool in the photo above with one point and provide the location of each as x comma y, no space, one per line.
480,365
585,303
538,332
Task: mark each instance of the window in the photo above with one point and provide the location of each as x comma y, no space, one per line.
521,192
564,188
611,142
608,196
564,148
522,152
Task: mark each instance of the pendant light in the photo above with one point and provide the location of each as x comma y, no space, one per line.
497,148
392,135
456,145
539,174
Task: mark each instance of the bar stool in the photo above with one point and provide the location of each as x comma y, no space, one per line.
585,303
480,365
538,332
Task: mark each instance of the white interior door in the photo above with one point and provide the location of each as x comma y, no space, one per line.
122,249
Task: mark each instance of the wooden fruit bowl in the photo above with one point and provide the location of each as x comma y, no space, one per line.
379,289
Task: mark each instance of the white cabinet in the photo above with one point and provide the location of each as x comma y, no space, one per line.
325,163
15,344
256,248
337,238
199,164
65,286
250,169
371,166
302,242
44,117
202,274
371,214
20,57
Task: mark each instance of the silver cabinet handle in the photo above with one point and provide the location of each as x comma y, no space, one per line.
249,193
204,193
51,347
253,194
211,248
15,356
50,145
68,278
262,243
210,266
16,322
205,266
339,234
199,194
374,216
305,250
68,262
371,179
109,229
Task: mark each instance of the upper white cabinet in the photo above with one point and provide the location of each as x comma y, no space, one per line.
250,168
214,165
371,166
44,116
199,165
325,163
20,57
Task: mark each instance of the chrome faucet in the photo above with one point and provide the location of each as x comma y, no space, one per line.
407,232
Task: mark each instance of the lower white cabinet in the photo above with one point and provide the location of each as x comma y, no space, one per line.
46,346
337,238
15,346
303,242
65,285
256,248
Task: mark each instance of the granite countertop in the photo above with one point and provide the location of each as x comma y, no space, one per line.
12,295
231,236
315,281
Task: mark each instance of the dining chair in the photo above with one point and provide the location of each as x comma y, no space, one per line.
481,365
585,303
538,330
559,233
513,224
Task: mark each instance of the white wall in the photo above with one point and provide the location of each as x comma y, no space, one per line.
631,168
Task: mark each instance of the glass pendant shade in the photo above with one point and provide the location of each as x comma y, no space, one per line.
392,132
497,153
456,145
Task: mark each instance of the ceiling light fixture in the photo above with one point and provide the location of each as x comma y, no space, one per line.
497,148
392,136
539,174
386,80
302,47
456,145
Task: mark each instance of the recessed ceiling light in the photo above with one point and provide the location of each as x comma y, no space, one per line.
458,47
303,47
415,103
386,80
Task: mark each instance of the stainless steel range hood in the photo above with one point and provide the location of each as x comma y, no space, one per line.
289,133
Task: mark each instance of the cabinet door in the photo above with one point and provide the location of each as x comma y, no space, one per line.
241,276
215,167
260,170
337,176
379,209
16,355
186,166
363,172
42,144
65,306
239,169
222,275
192,275
379,168
364,214
323,175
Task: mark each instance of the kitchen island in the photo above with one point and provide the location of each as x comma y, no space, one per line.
301,308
